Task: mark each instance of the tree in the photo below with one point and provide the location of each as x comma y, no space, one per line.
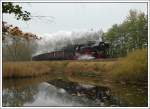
130,35
17,45
10,8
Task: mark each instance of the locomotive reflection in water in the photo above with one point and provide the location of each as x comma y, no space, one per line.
92,49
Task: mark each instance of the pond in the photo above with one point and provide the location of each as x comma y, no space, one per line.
58,91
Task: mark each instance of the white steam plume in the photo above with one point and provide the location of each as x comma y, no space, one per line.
56,41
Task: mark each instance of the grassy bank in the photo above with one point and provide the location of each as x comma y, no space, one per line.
31,69
133,68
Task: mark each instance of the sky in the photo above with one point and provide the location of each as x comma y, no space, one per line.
73,16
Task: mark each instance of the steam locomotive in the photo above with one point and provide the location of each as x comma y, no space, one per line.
74,52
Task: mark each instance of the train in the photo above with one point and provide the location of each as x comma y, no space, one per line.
96,50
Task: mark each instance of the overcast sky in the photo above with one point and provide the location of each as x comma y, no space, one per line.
73,16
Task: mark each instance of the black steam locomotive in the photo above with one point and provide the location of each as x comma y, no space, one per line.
73,52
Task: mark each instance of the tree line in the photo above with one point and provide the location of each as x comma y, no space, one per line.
131,34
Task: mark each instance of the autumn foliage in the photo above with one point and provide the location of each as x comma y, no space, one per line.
17,32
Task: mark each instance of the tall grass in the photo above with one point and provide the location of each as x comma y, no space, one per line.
24,69
133,68
85,67
31,69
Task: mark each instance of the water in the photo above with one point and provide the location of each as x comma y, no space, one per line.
56,91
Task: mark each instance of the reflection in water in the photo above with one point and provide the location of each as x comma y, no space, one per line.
15,97
49,95
132,95
98,96
54,90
